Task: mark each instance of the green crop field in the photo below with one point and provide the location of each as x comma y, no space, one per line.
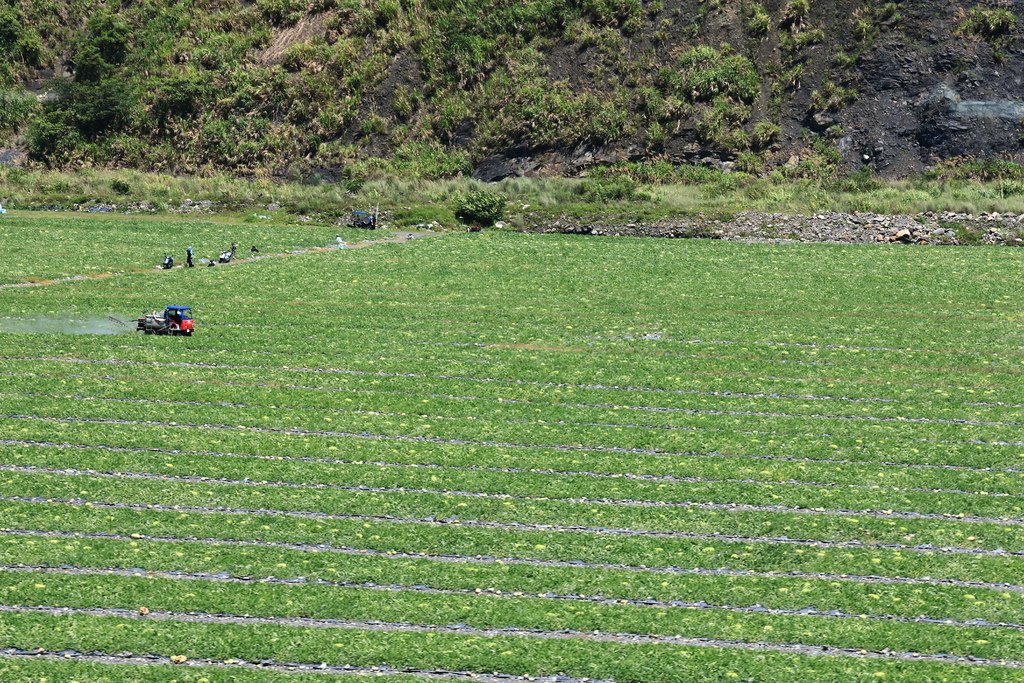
509,457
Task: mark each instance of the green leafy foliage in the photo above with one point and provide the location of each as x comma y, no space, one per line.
832,96
795,14
281,12
759,22
979,169
180,96
20,43
480,207
988,22
54,137
16,106
612,188
765,134
996,25
705,73
295,87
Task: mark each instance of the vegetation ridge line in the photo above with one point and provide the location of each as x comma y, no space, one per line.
286,667
410,438
361,373
682,454
564,634
519,561
510,526
627,476
771,396
881,514
66,570
627,425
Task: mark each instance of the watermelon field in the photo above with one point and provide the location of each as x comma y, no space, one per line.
508,457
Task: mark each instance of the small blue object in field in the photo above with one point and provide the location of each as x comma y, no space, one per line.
2,210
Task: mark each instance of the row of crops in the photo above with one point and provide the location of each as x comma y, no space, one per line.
508,457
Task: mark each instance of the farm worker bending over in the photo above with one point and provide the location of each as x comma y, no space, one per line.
341,242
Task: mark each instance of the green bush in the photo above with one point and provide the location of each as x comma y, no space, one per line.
236,142
111,35
659,172
994,25
706,73
721,123
765,134
281,12
759,22
429,161
832,97
988,22
108,35
482,207
179,97
89,66
888,11
750,162
820,162
15,108
793,43
624,13
98,108
795,13
53,138
986,170
657,136
617,188
529,107
19,42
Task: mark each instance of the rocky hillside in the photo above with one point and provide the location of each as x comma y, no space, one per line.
430,88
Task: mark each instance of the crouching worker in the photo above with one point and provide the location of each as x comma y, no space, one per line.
168,262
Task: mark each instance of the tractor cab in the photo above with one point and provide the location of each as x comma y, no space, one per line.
179,317
175,320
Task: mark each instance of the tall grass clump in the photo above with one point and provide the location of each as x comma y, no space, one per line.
994,25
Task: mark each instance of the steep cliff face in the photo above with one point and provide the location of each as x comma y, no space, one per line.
932,91
346,88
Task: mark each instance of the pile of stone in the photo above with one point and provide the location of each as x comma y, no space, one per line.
190,206
848,228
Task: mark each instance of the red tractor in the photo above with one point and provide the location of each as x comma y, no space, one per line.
175,320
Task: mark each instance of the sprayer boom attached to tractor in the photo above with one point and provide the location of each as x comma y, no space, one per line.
175,320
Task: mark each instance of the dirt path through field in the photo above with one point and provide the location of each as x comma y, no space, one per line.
397,238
